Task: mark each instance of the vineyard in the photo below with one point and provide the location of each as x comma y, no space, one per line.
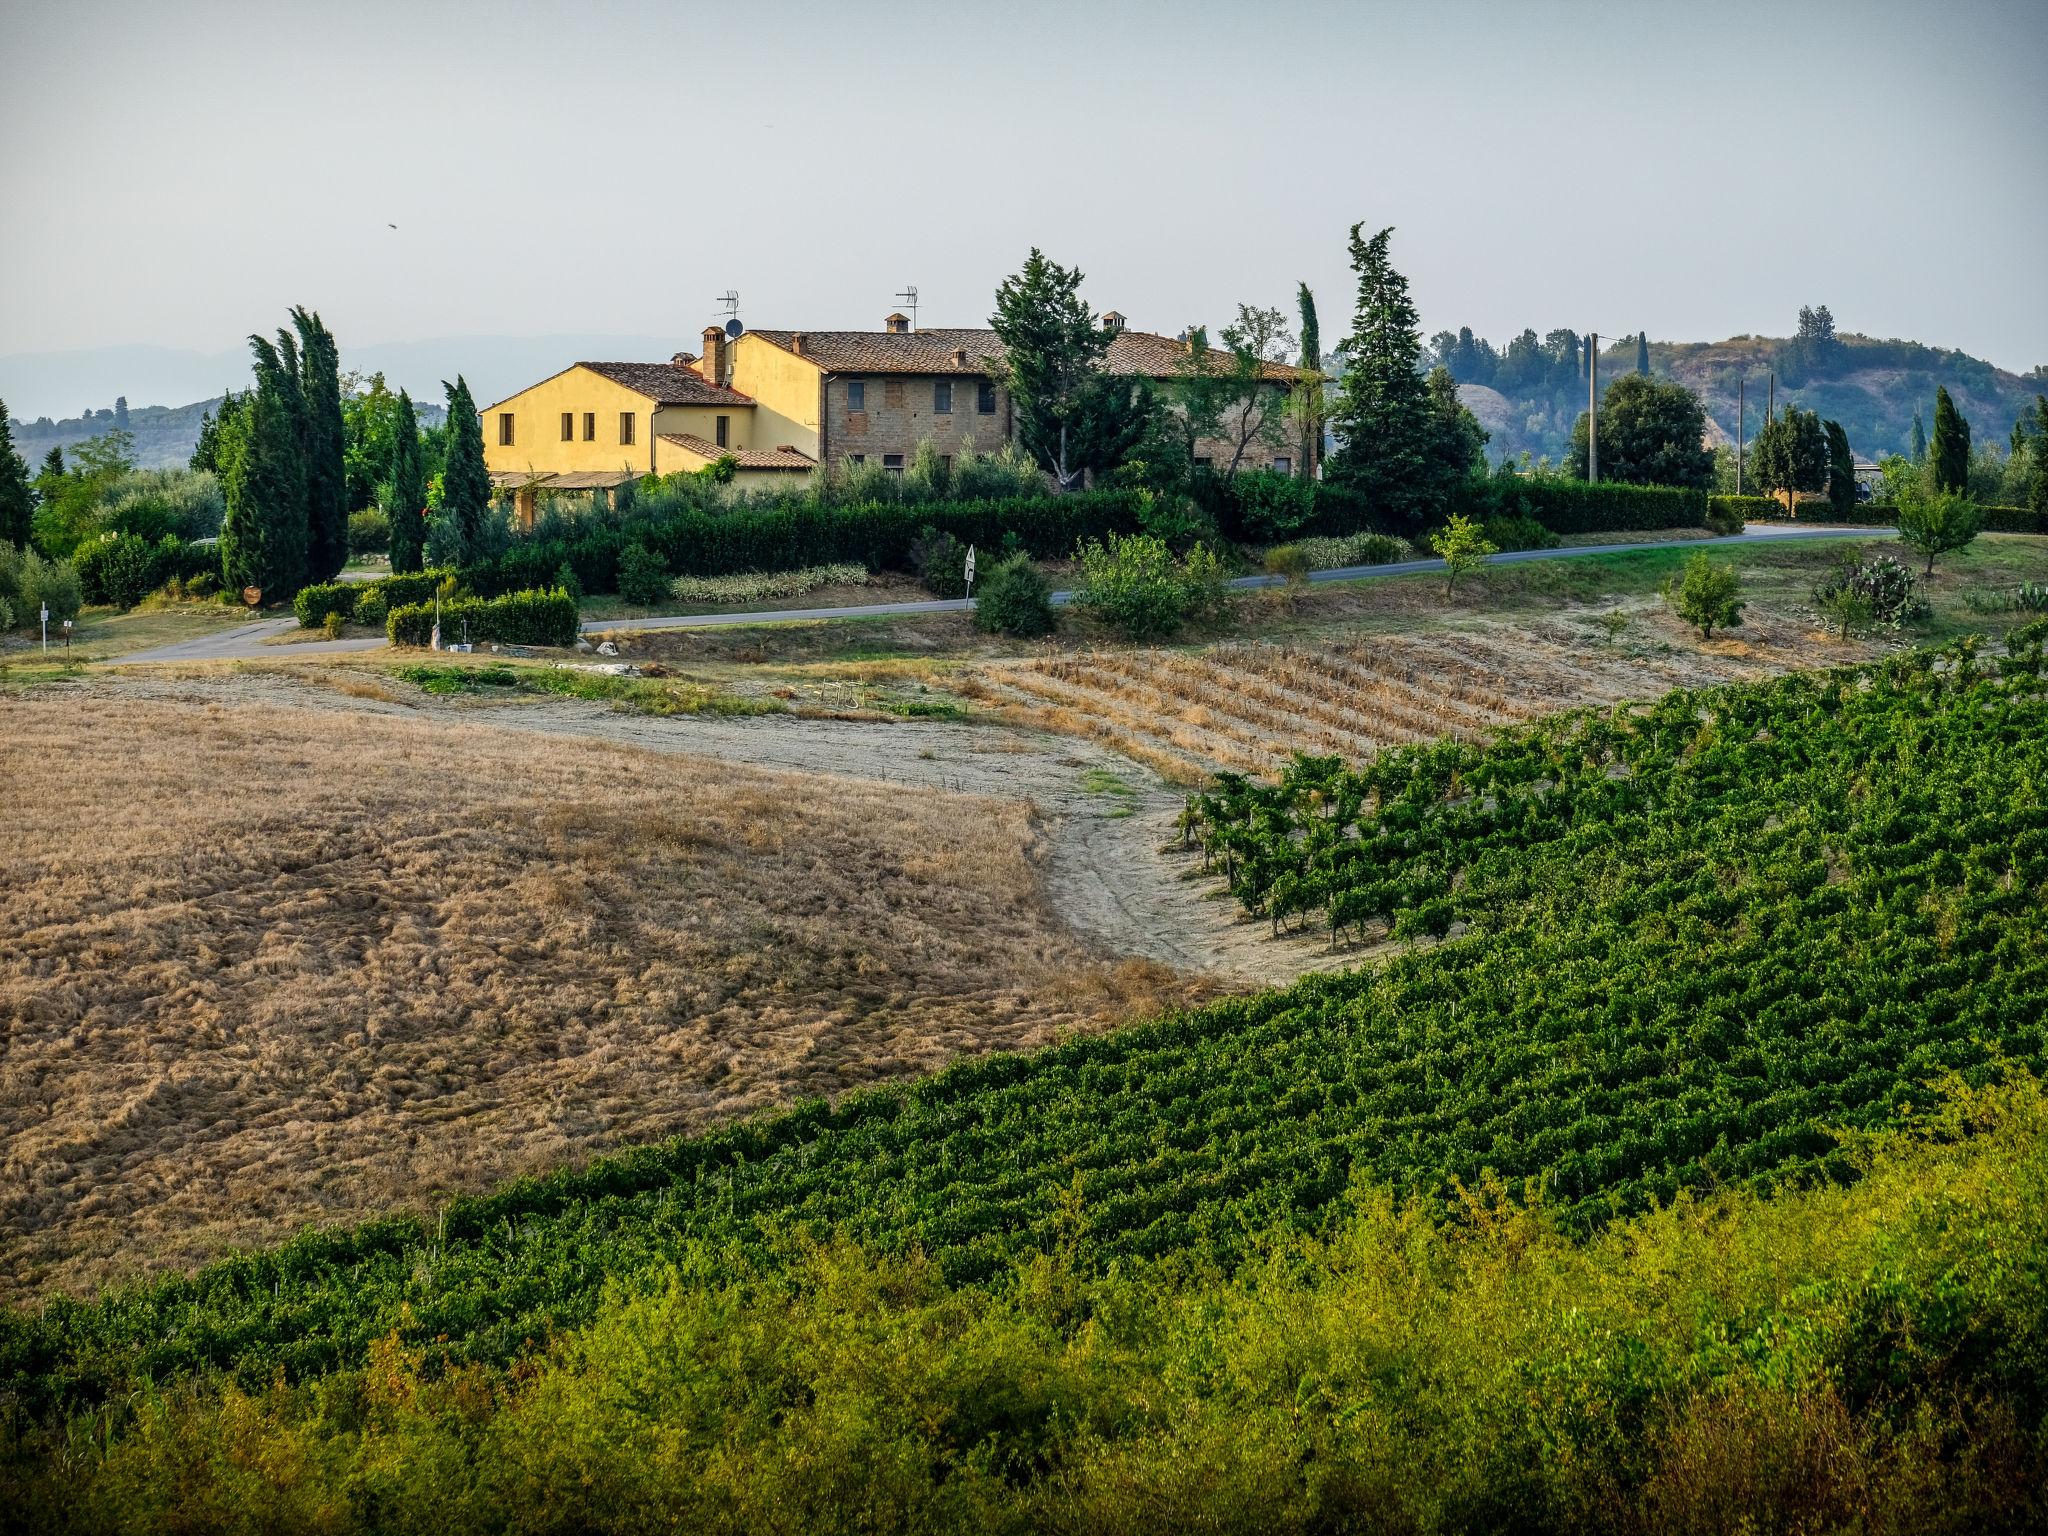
1704,938
1247,708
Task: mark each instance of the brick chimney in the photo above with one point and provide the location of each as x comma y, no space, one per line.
897,325
959,357
712,365
796,342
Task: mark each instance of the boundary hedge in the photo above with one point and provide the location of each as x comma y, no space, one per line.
878,535
516,618
1576,506
351,599
1996,519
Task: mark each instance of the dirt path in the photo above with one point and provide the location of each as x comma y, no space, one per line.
1109,818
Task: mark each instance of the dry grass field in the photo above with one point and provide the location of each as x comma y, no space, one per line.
263,966
1247,706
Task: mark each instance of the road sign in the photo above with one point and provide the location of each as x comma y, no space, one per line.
252,595
970,570
46,626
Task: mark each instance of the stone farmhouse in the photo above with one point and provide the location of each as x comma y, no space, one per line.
781,403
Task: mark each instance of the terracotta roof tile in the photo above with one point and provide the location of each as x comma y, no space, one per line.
939,352
746,458
668,383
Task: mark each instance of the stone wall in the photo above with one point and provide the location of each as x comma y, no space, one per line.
899,413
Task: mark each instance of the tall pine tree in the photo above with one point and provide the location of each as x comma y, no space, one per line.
1643,352
1053,351
324,444
1383,409
17,499
263,533
1950,450
408,509
213,425
465,483
1919,440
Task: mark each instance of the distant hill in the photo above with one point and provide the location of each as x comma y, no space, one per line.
1872,387
165,435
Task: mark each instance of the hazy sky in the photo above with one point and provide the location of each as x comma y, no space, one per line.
179,175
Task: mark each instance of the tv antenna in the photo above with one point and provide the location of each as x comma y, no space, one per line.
729,301
908,299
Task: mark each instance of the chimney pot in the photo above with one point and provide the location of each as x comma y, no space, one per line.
712,367
796,342
897,324
960,357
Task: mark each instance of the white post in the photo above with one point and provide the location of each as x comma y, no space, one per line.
46,629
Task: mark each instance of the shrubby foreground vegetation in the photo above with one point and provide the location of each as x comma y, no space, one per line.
1870,1358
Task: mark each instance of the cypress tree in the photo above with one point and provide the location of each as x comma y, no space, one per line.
408,491
121,413
1643,352
17,500
1383,409
1950,450
1311,411
465,483
2037,483
324,442
1841,469
1919,440
263,534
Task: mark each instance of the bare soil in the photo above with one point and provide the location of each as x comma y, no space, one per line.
276,954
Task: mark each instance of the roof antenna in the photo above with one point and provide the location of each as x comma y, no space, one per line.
729,301
908,299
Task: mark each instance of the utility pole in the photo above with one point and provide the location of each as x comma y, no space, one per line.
1741,427
1593,408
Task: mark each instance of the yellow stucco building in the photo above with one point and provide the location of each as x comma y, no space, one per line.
780,403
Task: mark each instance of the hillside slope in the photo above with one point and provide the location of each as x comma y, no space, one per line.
1528,393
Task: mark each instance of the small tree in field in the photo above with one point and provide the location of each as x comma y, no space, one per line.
1462,548
1847,609
1934,523
1709,595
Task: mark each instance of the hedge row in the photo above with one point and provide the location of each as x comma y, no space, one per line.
876,534
1576,506
516,618
365,600
1764,509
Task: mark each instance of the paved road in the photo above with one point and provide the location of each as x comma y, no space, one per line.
256,640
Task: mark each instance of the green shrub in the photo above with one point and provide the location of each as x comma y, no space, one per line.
1290,562
643,579
369,532
1727,514
940,561
1014,598
372,607
314,604
1462,547
6,614
547,618
1272,506
1133,584
120,569
1938,522
1517,533
1707,595
47,583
